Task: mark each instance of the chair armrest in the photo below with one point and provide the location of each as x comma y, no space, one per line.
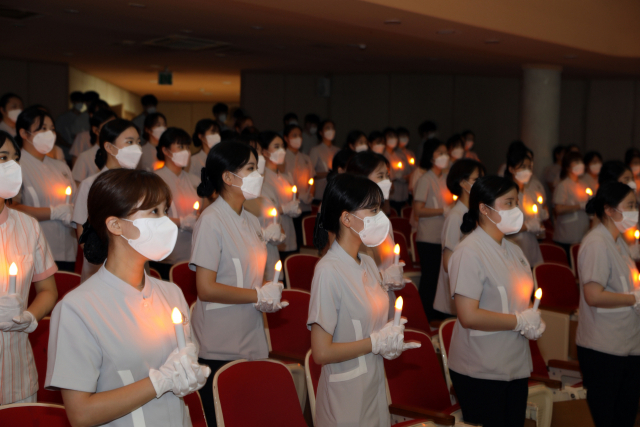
281,355
417,413
547,381
569,365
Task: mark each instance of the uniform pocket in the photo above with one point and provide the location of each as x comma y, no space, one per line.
137,415
362,363
239,284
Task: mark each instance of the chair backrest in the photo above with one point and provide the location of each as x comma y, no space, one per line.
287,328
154,273
403,226
393,213
79,260
312,373
196,411
559,289
65,282
404,249
39,340
539,367
445,333
412,308
308,226
33,414
406,212
315,209
574,260
553,253
415,378
181,275
414,247
299,269
267,384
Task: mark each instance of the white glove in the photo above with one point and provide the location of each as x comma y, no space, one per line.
392,277
292,208
528,320
534,334
10,307
583,205
62,213
23,322
269,298
635,252
273,234
446,209
636,306
180,374
389,343
533,225
188,222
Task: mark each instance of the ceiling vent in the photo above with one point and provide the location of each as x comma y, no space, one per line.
16,14
178,42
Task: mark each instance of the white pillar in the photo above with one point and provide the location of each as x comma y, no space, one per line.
541,112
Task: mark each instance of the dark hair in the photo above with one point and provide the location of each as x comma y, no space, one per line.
312,118
76,96
149,122
430,147
119,193
402,131
345,192
612,171
485,190
461,171
225,156
229,135
375,134
322,125
389,130
572,147
4,99
90,96
340,160
352,137
516,155
557,150
568,158
266,138
4,137
238,113
250,138
590,156
109,133
426,127
365,162
631,154
172,135
147,100
220,108
27,118
241,120
96,120
97,105
289,128
466,133
609,194
201,127
454,141
288,117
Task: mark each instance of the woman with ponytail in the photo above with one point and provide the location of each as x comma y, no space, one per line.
118,147
229,255
85,164
609,324
491,282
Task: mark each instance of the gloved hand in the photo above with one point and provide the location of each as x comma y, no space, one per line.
10,307
180,374
533,225
269,298
23,322
392,277
292,208
534,334
62,213
187,223
528,320
389,343
446,209
636,306
635,252
273,234
583,205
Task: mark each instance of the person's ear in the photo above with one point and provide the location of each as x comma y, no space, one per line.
24,134
227,178
483,209
512,171
611,212
110,148
94,129
113,225
345,220
166,152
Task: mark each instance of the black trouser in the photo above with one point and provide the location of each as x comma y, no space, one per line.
567,249
613,387
430,257
491,403
161,268
297,225
206,392
69,266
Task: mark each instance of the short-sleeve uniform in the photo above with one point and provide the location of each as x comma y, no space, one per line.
184,195
526,240
299,166
607,262
106,334
590,182
277,187
81,143
85,164
231,245
322,160
22,242
400,190
409,155
348,302
451,236
498,276
43,185
149,157
198,161
432,190
8,129
571,227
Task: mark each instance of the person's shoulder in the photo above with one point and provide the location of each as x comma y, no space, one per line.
193,178
26,220
170,289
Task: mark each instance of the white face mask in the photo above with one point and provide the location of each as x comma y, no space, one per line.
293,122
330,134
128,157
10,179
158,131
261,163
468,144
157,239
510,221
595,168
376,229
404,140
212,139
362,147
222,118
633,185
392,142
43,141
578,169
277,156
457,153
629,220
295,142
523,175
251,185
635,169
378,148
78,106
181,158
313,130
385,186
442,161
13,114
151,110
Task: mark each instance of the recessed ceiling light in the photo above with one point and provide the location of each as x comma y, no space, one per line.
445,32
72,10
256,27
492,41
392,22
153,81
570,56
137,5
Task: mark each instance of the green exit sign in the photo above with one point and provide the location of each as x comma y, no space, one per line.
165,78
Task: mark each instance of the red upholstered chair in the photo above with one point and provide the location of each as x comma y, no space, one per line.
79,261
33,414
196,412
286,329
414,248
315,209
308,226
559,289
393,213
299,269
553,253
267,384
574,260
444,334
65,282
403,226
404,252
412,309
406,212
181,275
154,273
39,340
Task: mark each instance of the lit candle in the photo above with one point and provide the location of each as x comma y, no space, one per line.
536,302
637,236
589,192
276,272
412,161
398,313
294,190
68,193
540,200
455,197
399,165
274,213
13,272
535,210
176,316
310,182
396,250
196,206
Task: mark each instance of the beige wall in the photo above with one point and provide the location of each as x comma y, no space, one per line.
185,115
112,94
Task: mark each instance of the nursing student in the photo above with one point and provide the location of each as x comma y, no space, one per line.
609,324
351,330
84,141
431,203
118,147
491,282
403,142
85,166
460,179
23,243
229,256
113,349
356,142
206,135
44,182
322,154
593,165
10,107
399,171
154,126
469,139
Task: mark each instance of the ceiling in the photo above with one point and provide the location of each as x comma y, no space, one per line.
588,38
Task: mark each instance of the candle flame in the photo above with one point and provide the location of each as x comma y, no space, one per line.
535,209
176,316
294,189
158,165
637,234
412,161
310,181
538,293
273,212
396,249
279,266
455,197
399,303
196,205
68,191
13,270
540,199
589,192
399,165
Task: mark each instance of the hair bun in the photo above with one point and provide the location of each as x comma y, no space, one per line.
95,251
101,158
469,223
590,208
205,188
